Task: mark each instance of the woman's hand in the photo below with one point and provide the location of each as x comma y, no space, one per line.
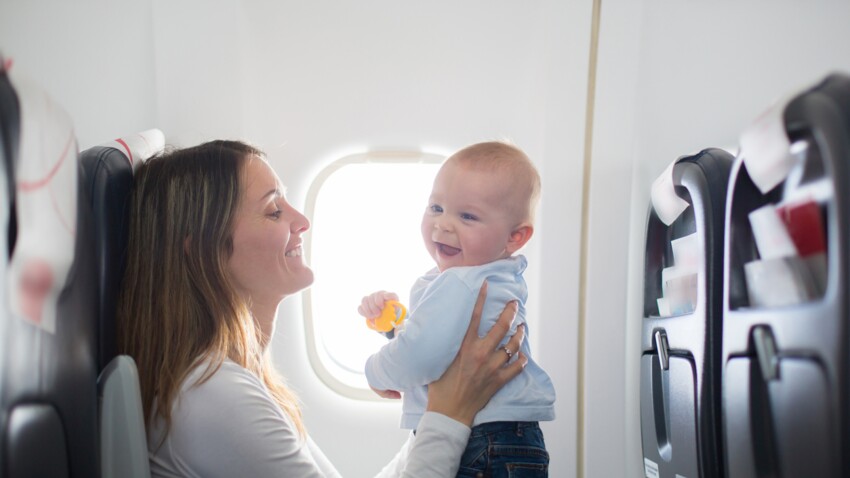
480,369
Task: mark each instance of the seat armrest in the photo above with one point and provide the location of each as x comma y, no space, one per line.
123,442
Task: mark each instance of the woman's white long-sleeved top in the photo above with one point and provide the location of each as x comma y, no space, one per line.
231,426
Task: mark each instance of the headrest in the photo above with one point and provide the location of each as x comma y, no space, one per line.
108,177
46,205
667,204
140,146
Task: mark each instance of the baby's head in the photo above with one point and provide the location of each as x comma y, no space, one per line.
482,205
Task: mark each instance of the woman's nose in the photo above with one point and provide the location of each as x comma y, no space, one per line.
299,222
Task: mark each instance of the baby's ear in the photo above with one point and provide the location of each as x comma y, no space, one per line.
519,236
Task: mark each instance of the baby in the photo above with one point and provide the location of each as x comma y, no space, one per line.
480,213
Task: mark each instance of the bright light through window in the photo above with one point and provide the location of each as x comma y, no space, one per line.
365,236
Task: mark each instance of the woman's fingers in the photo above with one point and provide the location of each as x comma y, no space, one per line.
514,368
480,368
511,349
502,326
475,321
515,341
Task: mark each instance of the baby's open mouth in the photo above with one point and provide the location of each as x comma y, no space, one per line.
447,250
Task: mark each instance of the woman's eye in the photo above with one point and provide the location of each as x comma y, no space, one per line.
276,214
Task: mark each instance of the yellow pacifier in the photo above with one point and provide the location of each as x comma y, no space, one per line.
391,317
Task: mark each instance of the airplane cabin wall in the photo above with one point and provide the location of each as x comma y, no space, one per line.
383,76
95,58
310,83
673,78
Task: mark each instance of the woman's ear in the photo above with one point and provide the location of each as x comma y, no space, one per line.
519,236
187,243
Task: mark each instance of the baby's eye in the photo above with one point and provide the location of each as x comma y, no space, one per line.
468,217
435,208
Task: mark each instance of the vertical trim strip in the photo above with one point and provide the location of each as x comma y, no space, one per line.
585,219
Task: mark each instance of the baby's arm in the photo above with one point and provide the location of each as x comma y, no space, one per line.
371,307
429,341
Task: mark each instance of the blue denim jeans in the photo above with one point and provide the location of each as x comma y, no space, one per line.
505,449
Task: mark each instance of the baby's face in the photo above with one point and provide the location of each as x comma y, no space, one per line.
467,221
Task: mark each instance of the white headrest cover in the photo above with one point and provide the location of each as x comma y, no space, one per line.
46,187
765,147
139,147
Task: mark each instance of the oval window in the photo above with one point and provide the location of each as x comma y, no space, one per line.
365,212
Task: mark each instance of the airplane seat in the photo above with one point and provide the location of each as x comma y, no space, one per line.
48,371
123,441
107,172
786,330
9,129
682,320
108,175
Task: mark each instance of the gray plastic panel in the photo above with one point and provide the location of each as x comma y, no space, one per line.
786,374
35,443
700,180
779,427
668,414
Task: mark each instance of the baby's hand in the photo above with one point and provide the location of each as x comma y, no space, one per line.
372,305
391,394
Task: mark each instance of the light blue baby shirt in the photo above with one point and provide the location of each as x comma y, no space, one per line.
440,310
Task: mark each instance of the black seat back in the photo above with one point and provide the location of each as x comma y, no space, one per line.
48,393
107,178
680,339
786,357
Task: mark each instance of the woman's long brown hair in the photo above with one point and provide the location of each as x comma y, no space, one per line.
178,307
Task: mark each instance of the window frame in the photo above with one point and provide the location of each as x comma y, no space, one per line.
318,357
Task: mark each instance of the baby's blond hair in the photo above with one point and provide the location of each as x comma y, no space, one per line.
508,160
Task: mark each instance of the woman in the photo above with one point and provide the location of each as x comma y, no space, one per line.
214,248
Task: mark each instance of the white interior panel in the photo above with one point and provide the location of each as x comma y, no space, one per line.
674,77
311,82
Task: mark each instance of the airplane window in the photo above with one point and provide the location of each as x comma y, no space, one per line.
365,212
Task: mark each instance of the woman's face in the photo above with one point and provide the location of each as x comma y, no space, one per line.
266,263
